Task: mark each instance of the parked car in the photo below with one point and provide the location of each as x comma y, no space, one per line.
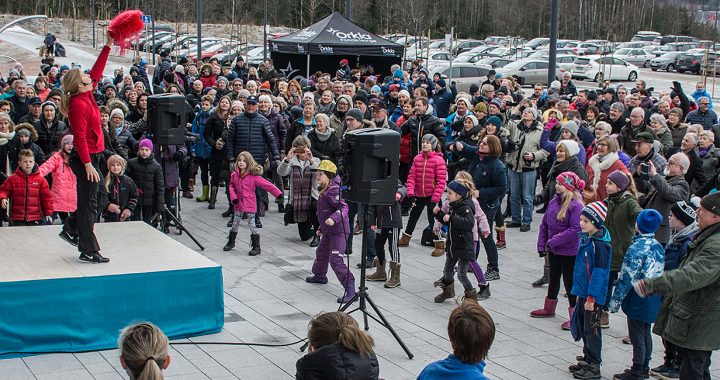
689,62
209,51
676,46
464,74
494,62
633,45
635,56
539,42
468,58
544,53
482,49
529,71
665,62
495,40
467,45
645,35
599,68
662,40
566,62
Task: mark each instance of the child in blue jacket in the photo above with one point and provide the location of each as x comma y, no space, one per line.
644,259
203,150
590,282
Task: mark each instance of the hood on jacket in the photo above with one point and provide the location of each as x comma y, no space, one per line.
117,103
29,127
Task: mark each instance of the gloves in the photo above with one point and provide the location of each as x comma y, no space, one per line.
178,155
512,145
538,200
542,253
236,201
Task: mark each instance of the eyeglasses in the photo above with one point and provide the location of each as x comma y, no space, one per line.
704,103
602,144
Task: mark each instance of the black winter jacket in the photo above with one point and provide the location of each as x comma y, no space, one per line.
215,128
278,128
418,126
460,242
250,132
49,136
337,362
123,192
148,176
329,149
388,216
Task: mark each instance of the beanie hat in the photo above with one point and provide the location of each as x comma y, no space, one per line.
403,92
648,221
464,98
116,159
571,181
376,88
431,139
473,118
117,111
180,69
265,85
67,139
395,87
23,132
346,98
555,84
145,143
571,126
592,95
474,88
596,213
711,202
222,79
683,212
457,187
64,68
355,114
494,120
360,96
481,107
497,102
620,179
571,146
533,111
327,166
398,74
440,82
343,62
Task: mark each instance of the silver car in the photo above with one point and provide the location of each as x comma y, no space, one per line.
665,62
529,71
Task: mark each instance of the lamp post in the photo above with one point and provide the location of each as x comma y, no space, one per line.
348,9
199,31
92,11
552,61
265,26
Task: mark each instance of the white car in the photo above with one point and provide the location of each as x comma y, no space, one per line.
638,57
598,68
529,71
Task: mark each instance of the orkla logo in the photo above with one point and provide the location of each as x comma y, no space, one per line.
301,49
349,36
325,49
387,51
305,33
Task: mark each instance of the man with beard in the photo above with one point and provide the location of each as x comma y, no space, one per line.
635,126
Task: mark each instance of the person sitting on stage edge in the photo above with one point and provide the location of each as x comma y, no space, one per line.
144,351
28,192
337,349
471,331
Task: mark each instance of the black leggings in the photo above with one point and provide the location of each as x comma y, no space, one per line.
420,203
307,229
216,167
391,236
81,223
204,164
561,266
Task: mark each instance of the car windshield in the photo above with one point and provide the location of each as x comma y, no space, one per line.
623,51
582,61
515,65
465,58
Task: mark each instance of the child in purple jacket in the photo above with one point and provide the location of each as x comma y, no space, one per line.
334,229
558,238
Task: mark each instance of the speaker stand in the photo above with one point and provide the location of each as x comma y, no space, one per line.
363,297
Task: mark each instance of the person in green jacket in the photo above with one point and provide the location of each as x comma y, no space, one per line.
623,209
690,311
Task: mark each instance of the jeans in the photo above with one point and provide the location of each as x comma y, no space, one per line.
462,267
353,210
81,223
489,242
695,364
641,338
521,202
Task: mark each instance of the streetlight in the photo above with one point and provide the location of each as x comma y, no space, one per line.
265,26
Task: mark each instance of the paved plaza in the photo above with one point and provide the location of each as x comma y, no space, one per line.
268,301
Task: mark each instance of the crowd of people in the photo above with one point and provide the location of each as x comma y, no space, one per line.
624,180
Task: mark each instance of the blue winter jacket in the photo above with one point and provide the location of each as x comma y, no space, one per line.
644,259
201,148
489,176
453,368
592,266
677,247
698,94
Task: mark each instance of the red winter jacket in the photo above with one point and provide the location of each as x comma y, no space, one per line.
27,193
428,176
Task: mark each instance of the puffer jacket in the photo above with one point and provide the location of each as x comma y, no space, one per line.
428,176
690,311
64,188
527,139
331,205
489,175
148,176
201,148
676,248
560,237
29,195
622,210
278,128
49,135
16,146
481,221
571,164
337,362
123,192
418,126
388,216
460,242
251,132
242,190
592,267
644,259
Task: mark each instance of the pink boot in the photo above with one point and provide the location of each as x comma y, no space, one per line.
566,324
547,311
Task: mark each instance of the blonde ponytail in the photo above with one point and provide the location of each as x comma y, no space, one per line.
144,350
71,82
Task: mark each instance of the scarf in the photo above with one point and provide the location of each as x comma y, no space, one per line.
599,166
323,136
704,151
5,137
301,192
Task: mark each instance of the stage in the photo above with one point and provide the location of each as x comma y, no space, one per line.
52,302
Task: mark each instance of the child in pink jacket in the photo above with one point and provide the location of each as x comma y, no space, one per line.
425,184
64,184
247,176
481,228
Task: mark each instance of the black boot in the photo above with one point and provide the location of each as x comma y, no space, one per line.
228,212
281,208
232,219
255,241
213,197
231,241
315,241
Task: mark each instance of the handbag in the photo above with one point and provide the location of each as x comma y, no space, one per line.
289,214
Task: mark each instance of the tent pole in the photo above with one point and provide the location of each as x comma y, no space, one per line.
307,68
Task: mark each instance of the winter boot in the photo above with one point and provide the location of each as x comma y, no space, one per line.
448,291
315,240
500,241
281,207
484,292
204,197
228,212
548,309
439,248
191,185
471,294
605,320
566,324
349,294
213,197
589,371
314,279
187,194
231,241
404,240
255,241
394,280
544,279
380,273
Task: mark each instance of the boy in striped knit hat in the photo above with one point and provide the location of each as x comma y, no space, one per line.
590,282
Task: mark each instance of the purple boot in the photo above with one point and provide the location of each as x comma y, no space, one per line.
349,294
315,279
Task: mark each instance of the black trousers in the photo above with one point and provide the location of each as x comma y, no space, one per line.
695,364
81,223
489,242
420,204
216,166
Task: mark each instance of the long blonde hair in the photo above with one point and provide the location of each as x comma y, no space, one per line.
328,328
144,348
252,166
466,179
71,82
567,198
109,176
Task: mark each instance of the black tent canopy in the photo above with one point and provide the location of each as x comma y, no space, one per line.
321,45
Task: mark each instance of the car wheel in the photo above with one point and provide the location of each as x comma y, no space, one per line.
598,78
670,67
632,77
646,64
653,69
681,71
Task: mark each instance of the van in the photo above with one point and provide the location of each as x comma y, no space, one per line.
662,40
676,46
645,35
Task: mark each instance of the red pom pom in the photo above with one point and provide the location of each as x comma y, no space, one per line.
125,25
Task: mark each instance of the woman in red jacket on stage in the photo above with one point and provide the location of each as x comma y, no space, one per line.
78,103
